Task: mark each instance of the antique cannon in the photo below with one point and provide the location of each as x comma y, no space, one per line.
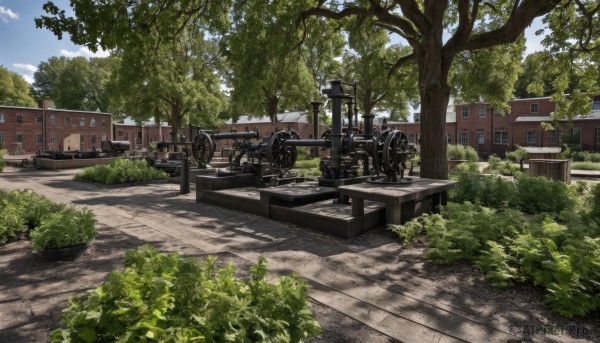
256,153
114,148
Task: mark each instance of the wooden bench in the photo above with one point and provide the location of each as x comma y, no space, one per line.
398,197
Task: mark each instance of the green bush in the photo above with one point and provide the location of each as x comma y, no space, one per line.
585,165
562,256
468,167
170,298
2,153
68,227
462,152
541,195
11,222
517,155
121,171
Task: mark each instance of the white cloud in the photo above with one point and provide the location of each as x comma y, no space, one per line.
84,51
7,13
30,69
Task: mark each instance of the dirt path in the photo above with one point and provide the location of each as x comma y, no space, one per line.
367,289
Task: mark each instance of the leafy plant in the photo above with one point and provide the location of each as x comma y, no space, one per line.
462,152
469,167
121,171
68,227
2,153
11,221
170,298
518,155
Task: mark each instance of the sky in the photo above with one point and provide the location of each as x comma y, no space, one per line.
23,46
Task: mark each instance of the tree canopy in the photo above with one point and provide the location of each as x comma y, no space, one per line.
14,90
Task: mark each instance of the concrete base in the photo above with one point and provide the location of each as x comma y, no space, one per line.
47,163
214,183
245,199
329,217
193,173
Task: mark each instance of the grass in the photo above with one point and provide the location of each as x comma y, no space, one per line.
308,167
585,165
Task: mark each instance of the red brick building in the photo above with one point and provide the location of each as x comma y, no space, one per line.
489,132
26,130
141,136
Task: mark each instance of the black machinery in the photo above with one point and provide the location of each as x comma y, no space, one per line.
114,148
350,148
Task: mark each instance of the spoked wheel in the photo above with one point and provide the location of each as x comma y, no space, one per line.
395,144
203,148
280,156
378,149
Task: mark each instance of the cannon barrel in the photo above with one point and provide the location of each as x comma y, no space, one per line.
235,135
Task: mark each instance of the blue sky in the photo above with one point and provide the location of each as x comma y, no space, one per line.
23,46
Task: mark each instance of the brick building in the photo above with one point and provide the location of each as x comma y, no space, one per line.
489,132
25,130
141,136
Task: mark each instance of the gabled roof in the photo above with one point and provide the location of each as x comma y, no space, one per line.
287,117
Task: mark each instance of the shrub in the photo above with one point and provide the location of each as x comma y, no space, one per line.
462,152
518,155
471,154
170,298
541,195
469,167
562,257
585,165
121,171
68,227
11,222
2,153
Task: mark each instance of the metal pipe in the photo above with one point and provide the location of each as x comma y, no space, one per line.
304,142
336,93
235,135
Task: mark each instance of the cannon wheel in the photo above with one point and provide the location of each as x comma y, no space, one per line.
378,148
203,148
281,156
394,152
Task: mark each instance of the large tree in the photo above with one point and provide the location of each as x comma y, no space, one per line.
75,83
424,24
369,61
14,90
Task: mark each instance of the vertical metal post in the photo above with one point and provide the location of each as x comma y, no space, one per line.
336,94
316,109
185,176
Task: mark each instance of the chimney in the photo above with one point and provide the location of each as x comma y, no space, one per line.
43,104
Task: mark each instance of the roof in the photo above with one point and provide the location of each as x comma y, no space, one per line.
287,117
54,109
594,115
544,150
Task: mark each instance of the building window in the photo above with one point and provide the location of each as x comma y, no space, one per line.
82,122
531,137
67,121
52,138
575,135
482,113
93,140
463,138
93,122
39,120
552,138
533,108
449,138
53,120
39,138
480,138
597,140
596,103
464,113
2,120
2,139
20,138
500,137
19,119
103,123
411,137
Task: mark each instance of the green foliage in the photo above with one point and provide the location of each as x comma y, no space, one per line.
497,166
14,90
469,167
67,227
518,155
121,171
2,153
408,231
11,221
585,165
529,194
562,256
595,201
462,152
582,156
170,298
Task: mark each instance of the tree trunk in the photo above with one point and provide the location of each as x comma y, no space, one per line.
176,119
272,107
435,94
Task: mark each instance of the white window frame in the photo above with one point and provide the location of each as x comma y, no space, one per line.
464,112
537,108
2,139
463,137
532,137
482,112
67,121
19,118
39,120
553,138
52,138
93,122
449,138
480,137
39,138
596,103
411,137
579,132
81,122
19,137
2,118
500,137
